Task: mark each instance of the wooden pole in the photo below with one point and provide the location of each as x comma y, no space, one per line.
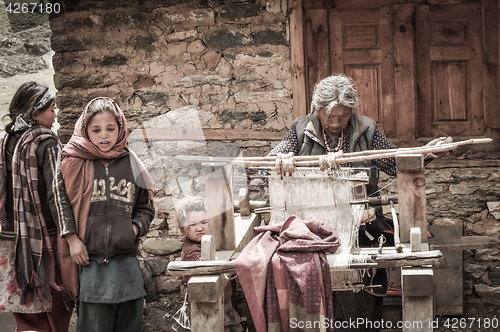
270,161
206,295
411,195
179,268
219,203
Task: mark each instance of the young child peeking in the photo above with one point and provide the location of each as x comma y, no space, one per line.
111,193
193,221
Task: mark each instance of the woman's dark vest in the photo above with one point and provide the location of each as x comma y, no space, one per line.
308,129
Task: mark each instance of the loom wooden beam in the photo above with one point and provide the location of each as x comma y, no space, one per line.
411,195
179,268
244,226
469,242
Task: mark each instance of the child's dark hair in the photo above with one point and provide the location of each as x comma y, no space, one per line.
25,99
189,204
99,106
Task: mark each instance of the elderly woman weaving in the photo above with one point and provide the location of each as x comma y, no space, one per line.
334,125
331,126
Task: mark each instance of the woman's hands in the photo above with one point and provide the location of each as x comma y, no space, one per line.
78,250
436,142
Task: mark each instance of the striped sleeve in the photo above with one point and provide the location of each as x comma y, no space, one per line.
58,200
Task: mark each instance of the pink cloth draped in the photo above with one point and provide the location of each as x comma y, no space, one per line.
285,275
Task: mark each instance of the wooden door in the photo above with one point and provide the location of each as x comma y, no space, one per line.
358,43
449,70
422,70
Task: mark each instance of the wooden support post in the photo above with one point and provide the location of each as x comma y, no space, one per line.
206,294
219,203
207,248
411,195
244,200
449,295
418,290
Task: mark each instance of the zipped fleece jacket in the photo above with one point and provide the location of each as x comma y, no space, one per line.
118,201
310,140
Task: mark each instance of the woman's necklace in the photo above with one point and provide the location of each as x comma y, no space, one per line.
339,144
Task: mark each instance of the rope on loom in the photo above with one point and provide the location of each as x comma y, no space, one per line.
383,187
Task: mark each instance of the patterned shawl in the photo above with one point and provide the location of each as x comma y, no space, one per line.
77,170
35,259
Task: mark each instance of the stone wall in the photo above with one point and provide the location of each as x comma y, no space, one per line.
467,192
469,196
230,59
227,60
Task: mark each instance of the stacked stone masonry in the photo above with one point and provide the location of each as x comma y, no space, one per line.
469,196
228,60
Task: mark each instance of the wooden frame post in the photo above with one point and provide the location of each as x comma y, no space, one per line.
411,195
418,299
219,203
206,295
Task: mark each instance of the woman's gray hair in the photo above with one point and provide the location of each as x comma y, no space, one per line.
334,91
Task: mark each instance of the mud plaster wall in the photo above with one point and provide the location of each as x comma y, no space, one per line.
228,60
231,60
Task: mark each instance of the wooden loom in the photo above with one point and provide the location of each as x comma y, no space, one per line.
411,252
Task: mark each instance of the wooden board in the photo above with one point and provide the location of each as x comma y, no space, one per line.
448,278
219,203
405,71
299,89
491,63
244,229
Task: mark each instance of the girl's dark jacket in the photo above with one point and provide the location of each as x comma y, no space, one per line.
118,201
